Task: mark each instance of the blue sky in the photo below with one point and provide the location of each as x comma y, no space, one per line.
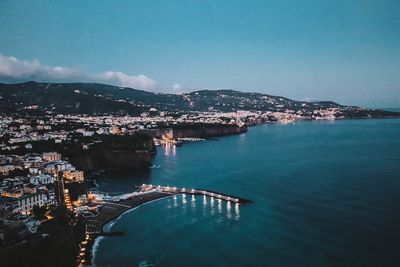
346,51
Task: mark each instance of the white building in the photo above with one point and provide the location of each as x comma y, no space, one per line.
41,179
26,203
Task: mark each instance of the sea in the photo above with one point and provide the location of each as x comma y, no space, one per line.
325,193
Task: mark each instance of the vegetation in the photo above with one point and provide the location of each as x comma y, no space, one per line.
95,99
39,213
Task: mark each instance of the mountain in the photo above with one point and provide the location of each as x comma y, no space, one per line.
94,98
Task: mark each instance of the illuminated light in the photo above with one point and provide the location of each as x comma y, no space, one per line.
204,192
237,200
219,196
192,190
174,188
183,189
228,198
212,194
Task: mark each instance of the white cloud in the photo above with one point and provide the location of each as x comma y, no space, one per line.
176,88
140,81
15,70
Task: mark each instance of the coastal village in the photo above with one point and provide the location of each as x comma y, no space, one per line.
19,131
31,188
39,184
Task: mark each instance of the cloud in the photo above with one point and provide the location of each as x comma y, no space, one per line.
15,70
140,81
176,88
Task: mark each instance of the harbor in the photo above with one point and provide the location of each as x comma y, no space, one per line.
111,207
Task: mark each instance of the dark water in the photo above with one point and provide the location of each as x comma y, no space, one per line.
326,194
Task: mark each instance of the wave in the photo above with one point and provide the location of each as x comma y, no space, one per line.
96,184
107,227
95,247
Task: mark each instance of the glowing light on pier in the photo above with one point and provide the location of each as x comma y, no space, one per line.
192,190
183,189
237,214
228,210
174,150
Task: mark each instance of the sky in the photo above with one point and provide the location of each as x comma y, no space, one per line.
345,51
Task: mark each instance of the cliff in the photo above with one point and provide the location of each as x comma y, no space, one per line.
100,152
199,130
110,152
100,159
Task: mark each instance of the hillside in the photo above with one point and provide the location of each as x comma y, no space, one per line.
92,98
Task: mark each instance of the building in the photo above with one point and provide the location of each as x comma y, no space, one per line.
23,204
30,189
41,179
5,170
26,203
51,156
73,176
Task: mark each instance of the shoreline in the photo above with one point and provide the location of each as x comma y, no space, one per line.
98,239
111,219
111,212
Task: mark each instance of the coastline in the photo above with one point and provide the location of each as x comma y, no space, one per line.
94,243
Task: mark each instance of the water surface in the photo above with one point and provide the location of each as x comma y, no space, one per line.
325,194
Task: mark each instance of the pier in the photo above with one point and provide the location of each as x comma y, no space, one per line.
111,209
213,194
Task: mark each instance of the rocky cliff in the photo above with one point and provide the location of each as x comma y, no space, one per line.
199,130
101,159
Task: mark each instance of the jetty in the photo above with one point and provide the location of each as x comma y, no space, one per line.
111,208
204,192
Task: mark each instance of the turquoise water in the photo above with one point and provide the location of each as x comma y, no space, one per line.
325,194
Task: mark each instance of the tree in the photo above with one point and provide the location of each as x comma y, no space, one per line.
39,212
